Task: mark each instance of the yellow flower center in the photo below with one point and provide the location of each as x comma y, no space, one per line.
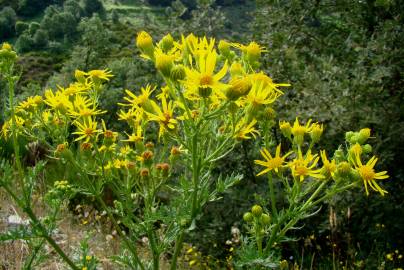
276,162
367,173
301,170
298,130
206,80
89,131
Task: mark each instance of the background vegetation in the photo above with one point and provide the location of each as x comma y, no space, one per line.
345,62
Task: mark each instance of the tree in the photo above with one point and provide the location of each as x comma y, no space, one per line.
41,38
7,22
24,43
73,7
93,6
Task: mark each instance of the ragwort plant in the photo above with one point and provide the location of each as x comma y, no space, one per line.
211,100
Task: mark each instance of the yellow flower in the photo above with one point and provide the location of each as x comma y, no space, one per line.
316,132
80,76
329,167
87,130
100,75
298,131
145,43
164,115
304,166
267,81
31,103
202,82
6,46
244,129
142,100
84,107
58,101
252,51
271,163
260,95
368,174
164,62
135,137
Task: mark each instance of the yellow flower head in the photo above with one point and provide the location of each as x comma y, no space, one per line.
100,75
272,163
145,43
299,131
86,130
142,100
259,95
6,46
203,81
31,103
316,131
84,107
368,174
329,167
58,101
285,128
164,62
244,130
303,166
164,115
80,76
252,51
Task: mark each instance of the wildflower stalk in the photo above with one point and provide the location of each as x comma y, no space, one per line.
37,224
272,194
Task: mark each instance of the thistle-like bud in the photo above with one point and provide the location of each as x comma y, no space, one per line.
147,156
256,210
364,134
167,42
248,217
178,73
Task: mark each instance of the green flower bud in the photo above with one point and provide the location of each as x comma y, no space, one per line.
265,219
256,210
224,47
354,138
348,135
178,73
364,134
367,148
167,42
205,91
248,217
343,168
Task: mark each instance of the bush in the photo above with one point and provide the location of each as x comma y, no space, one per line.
24,43
21,27
41,38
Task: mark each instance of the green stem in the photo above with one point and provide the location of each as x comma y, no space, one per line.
272,194
37,223
177,249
